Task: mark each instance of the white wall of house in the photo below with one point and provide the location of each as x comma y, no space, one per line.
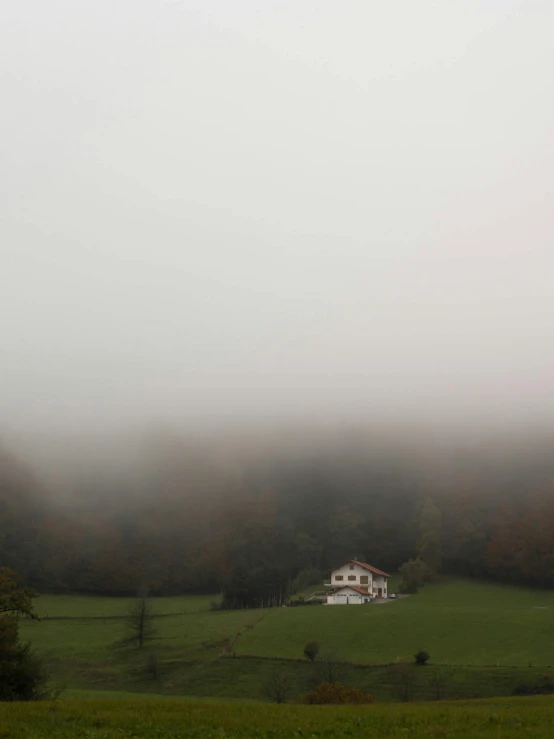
351,574
379,582
347,597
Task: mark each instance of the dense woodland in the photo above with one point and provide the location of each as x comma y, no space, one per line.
259,519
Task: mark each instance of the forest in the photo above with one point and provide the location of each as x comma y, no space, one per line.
274,513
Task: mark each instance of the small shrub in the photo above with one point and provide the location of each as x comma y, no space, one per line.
311,650
335,693
422,657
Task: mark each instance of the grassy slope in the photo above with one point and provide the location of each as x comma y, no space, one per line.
81,606
77,636
170,719
90,627
457,622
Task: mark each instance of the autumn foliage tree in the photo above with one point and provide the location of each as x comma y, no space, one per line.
254,520
413,574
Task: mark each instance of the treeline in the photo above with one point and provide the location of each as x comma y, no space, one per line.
256,521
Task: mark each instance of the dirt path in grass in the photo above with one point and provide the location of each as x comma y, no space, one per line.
229,647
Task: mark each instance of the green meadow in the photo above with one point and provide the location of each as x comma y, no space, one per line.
458,622
492,638
83,628
175,719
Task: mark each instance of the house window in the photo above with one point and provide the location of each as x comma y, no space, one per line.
351,567
352,577
363,579
339,577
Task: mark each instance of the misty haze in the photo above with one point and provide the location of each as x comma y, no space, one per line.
277,331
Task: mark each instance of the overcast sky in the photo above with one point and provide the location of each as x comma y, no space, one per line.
215,210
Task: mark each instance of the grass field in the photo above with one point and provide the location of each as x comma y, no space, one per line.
79,606
456,622
176,719
88,628
471,625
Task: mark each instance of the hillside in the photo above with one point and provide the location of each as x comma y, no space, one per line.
458,622
472,626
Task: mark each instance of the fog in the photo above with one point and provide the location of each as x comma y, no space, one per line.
220,215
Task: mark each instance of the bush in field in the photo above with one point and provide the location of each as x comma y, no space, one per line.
335,693
311,650
422,657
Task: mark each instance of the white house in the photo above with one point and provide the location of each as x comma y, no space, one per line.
355,583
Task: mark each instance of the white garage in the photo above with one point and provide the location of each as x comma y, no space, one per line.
348,595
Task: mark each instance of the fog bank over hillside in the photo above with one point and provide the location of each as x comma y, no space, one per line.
227,218
128,464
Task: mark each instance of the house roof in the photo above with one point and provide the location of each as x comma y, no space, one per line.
356,588
365,566
369,567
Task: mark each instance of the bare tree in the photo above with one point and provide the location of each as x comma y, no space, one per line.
402,677
438,680
277,687
140,623
328,667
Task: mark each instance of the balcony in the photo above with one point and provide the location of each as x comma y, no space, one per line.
327,583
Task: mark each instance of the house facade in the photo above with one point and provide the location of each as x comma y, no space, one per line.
356,583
